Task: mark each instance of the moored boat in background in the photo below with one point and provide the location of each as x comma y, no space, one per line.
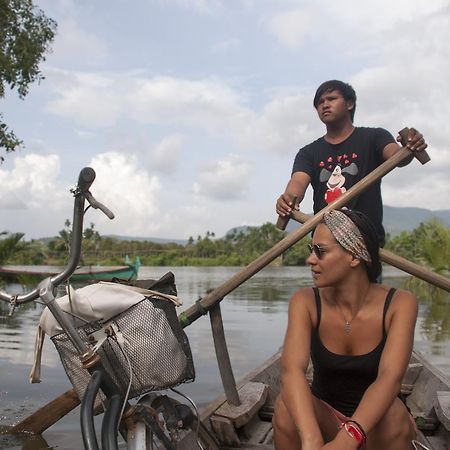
129,271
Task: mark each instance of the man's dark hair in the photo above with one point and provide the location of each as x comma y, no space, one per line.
371,240
335,85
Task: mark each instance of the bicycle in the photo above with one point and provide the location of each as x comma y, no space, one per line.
155,420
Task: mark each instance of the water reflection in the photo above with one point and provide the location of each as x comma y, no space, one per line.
254,315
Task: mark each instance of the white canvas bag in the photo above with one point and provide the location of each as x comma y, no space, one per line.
100,301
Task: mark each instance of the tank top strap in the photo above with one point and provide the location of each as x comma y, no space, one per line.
318,306
387,302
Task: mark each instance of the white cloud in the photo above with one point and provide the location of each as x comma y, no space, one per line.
291,27
226,179
201,6
164,156
129,192
31,183
88,99
95,100
209,103
227,44
74,44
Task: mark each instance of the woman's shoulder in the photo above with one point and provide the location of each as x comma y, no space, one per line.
302,304
400,298
303,298
303,294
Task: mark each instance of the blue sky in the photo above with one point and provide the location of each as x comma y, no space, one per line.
191,111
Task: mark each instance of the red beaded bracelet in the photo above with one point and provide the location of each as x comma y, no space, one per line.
355,430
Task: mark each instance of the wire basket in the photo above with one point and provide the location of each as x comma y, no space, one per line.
148,348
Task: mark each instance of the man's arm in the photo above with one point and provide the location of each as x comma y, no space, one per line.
415,142
296,187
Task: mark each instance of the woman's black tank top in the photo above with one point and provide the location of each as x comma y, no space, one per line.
341,380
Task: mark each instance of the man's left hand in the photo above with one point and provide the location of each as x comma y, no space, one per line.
415,140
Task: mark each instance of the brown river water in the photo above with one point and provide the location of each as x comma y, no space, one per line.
254,316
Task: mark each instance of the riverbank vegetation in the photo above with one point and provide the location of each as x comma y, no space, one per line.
428,245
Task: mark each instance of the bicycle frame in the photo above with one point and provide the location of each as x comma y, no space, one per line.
141,419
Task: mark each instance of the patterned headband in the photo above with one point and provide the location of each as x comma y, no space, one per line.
347,234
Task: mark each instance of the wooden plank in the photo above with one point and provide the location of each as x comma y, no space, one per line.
48,415
252,395
225,431
442,408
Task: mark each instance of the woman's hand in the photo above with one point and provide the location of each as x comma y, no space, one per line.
342,441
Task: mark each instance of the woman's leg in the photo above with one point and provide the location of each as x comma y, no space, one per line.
394,431
286,436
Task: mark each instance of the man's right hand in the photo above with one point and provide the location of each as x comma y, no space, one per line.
285,204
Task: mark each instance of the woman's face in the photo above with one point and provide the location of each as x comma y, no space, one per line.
329,262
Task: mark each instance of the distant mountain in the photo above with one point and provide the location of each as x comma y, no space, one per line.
397,219
150,239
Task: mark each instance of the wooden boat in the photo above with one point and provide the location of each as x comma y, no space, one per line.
248,425
129,271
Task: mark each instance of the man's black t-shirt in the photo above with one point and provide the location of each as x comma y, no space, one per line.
334,168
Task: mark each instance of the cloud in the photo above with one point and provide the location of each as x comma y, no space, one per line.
207,103
227,44
33,199
74,44
291,27
129,192
31,183
226,179
87,99
164,156
200,6
101,100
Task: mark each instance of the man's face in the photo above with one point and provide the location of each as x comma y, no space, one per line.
332,107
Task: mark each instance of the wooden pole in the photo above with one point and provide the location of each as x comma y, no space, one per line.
223,357
397,261
194,312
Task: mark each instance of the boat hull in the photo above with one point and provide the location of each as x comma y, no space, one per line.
426,389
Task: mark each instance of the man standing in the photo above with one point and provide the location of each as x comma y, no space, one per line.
346,154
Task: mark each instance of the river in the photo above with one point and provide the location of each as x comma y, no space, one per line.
254,316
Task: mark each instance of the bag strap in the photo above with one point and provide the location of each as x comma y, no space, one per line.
148,292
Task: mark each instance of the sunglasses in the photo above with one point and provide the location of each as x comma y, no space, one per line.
318,250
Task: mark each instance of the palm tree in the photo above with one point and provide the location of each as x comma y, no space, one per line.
9,245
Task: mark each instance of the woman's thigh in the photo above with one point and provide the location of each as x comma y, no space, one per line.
327,420
394,431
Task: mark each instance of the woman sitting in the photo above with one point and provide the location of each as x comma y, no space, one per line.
359,336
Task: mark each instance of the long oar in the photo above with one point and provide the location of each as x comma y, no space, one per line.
215,296
48,415
397,261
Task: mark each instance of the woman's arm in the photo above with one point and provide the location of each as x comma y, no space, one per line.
394,361
295,392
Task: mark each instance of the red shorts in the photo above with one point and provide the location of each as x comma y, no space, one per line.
341,418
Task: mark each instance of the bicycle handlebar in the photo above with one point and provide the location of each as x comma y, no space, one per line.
81,193
85,179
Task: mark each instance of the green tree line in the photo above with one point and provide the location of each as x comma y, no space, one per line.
428,245
238,247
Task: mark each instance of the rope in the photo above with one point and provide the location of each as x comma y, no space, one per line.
418,445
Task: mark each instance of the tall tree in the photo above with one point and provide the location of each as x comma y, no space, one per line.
25,37
9,244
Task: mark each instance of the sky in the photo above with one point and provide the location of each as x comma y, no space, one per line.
191,111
